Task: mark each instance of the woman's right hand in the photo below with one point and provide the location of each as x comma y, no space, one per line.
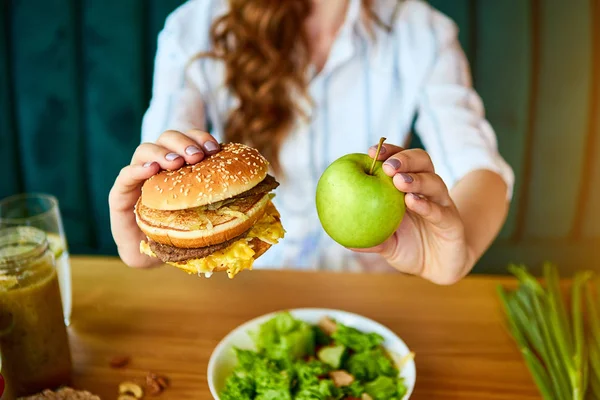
170,152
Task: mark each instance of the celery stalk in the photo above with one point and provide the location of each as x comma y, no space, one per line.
558,306
559,372
594,322
595,364
561,333
593,343
579,358
561,354
538,372
530,330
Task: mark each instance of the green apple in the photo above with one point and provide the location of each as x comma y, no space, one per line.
357,203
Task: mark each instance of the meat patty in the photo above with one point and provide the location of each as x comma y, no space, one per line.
167,253
266,185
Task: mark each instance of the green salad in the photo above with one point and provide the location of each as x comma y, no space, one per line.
328,361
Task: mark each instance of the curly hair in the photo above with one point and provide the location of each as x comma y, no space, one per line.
266,53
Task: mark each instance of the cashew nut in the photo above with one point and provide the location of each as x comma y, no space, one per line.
130,388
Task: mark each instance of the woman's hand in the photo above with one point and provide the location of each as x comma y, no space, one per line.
430,241
171,151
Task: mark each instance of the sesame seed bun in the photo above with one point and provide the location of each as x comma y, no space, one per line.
182,228
226,174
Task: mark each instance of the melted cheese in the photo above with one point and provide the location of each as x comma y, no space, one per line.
238,255
268,228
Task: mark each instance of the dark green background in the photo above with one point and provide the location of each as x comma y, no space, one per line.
75,79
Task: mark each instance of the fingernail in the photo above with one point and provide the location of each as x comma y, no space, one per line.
172,156
416,196
394,163
210,146
191,150
407,178
374,147
148,164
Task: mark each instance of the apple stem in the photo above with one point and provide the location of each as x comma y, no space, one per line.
376,155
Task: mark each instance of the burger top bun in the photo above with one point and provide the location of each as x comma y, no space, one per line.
232,171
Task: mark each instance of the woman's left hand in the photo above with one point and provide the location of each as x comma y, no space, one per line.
430,241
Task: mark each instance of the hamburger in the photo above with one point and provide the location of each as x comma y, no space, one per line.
216,215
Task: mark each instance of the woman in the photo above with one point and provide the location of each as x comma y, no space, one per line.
307,81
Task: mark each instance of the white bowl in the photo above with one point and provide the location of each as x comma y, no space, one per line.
223,360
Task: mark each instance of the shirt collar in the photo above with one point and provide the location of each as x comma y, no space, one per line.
343,47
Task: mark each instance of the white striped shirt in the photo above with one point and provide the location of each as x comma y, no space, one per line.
366,90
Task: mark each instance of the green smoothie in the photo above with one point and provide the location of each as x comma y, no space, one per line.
34,343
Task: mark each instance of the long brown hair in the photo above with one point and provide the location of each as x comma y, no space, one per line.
266,53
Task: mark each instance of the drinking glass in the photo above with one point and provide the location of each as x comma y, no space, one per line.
41,211
34,344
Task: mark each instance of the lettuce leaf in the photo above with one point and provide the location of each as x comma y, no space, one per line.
368,365
309,373
271,383
323,390
355,389
385,388
239,386
257,377
285,339
355,339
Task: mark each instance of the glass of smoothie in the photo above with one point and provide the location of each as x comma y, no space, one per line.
41,211
34,345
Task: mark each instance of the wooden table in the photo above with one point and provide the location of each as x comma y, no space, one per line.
169,323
